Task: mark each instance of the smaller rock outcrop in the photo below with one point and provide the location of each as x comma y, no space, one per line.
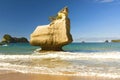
9,39
53,36
106,41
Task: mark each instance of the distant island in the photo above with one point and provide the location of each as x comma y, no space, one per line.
9,39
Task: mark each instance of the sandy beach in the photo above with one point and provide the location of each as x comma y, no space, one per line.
27,76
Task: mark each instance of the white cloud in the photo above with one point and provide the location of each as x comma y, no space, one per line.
105,1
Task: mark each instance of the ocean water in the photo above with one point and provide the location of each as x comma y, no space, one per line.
77,59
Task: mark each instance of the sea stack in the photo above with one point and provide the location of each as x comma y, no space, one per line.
54,36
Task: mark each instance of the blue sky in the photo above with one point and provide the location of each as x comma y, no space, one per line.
90,19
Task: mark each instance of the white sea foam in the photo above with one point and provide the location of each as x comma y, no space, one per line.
66,55
5,45
102,64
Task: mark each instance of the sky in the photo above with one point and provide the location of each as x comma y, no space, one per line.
91,20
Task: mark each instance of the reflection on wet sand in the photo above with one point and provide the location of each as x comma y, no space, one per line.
20,76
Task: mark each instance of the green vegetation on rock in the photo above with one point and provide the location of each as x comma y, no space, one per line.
56,17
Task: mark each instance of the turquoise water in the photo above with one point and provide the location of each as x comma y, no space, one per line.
80,59
17,48
92,47
26,48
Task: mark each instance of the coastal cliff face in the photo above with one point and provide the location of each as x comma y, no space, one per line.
54,35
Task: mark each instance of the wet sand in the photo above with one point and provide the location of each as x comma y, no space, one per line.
26,76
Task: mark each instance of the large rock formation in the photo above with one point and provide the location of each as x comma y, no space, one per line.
54,35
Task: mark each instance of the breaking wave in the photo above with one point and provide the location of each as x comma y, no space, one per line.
105,64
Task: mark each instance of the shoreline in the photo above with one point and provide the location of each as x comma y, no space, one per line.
6,75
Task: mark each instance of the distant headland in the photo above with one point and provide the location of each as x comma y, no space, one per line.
118,40
9,39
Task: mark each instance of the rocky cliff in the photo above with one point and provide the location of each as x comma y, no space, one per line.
54,35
